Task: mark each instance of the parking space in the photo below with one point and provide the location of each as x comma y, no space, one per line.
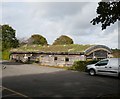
11,93
31,80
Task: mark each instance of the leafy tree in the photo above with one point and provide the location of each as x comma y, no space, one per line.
37,39
108,13
8,37
63,40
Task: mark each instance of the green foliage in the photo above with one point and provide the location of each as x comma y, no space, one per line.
81,65
108,12
8,37
116,53
0,55
63,40
0,45
5,54
37,39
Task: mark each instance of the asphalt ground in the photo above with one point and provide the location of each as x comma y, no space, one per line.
11,93
31,81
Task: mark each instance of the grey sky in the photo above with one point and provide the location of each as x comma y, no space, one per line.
52,19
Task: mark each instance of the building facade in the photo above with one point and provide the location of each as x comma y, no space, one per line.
63,58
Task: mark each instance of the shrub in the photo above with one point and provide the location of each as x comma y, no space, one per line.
5,55
0,55
81,65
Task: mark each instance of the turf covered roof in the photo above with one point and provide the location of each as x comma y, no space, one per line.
52,48
61,49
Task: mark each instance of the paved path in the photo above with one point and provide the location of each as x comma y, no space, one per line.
38,81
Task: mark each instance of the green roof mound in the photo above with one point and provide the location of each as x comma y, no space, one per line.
52,48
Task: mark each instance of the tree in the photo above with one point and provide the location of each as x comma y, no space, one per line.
108,13
8,37
63,40
37,39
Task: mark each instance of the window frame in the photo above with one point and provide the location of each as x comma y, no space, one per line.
102,63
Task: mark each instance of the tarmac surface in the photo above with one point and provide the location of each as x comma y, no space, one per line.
32,80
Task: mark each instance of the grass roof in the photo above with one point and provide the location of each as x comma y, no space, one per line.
52,48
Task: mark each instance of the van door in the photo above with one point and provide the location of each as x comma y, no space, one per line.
113,67
102,67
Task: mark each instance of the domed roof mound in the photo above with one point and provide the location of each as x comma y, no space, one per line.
96,48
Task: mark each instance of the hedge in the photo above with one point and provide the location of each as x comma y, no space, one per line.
81,65
5,55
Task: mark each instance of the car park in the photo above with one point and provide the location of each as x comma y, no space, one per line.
109,66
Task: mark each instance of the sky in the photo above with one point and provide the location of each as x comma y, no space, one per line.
53,19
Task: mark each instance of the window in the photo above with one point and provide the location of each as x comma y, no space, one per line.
102,63
55,58
41,56
66,59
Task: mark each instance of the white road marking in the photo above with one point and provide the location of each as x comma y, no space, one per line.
17,93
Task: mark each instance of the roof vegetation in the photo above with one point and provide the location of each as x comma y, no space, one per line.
52,48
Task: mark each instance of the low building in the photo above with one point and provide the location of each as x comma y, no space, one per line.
62,55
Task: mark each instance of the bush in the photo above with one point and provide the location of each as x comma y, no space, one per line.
81,65
0,55
5,55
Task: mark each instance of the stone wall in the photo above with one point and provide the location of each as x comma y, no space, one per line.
59,60
50,60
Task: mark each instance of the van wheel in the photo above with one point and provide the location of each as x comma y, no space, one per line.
92,72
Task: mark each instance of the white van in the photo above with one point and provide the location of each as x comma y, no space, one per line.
110,66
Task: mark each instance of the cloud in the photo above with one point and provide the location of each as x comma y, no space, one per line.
51,0
52,19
